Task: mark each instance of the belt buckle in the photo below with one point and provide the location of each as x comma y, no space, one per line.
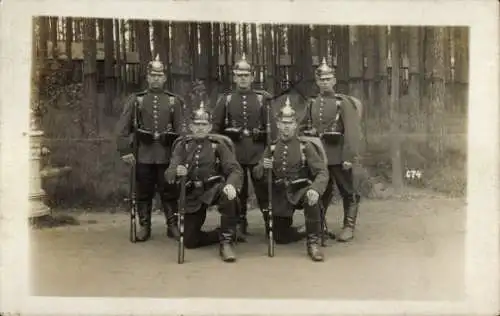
156,135
246,132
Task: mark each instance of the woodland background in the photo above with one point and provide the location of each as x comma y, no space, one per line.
413,83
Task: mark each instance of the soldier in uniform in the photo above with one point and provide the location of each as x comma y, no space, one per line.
335,120
155,117
299,179
213,178
242,116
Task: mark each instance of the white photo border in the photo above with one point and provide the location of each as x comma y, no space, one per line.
483,161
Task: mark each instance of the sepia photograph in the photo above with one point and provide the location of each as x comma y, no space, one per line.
289,159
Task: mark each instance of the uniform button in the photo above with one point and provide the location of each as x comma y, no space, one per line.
244,102
199,146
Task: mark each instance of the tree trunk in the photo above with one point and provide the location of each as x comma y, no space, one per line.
109,78
205,67
342,34
124,73
68,45
370,53
382,76
193,43
117,56
53,35
414,78
181,61
143,47
394,116
89,117
269,59
158,40
448,102
461,39
215,60
100,30
436,126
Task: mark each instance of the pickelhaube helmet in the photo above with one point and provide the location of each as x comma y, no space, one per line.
242,66
287,113
156,67
201,115
324,71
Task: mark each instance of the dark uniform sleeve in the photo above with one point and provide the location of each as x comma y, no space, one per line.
176,159
230,167
303,123
258,170
218,115
179,116
124,127
317,168
352,132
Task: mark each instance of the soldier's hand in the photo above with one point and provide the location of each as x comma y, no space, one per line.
170,175
129,158
181,171
258,171
268,163
346,165
312,197
230,191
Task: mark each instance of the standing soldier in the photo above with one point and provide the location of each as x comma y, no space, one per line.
334,118
299,179
155,116
213,178
242,116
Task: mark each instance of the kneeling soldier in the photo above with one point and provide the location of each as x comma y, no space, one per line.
213,177
299,178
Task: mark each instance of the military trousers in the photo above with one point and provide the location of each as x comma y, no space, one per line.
195,237
344,180
283,231
150,180
243,196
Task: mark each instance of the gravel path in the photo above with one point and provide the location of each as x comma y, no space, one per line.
406,249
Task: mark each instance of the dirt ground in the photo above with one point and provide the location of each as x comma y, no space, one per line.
411,249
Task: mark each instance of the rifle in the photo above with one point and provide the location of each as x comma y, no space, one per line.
133,177
270,246
180,217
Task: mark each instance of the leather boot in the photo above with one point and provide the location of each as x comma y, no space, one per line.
144,212
226,250
313,247
171,221
313,228
351,205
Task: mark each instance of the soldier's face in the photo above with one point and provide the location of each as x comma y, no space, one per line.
326,84
287,129
200,128
156,81
243,81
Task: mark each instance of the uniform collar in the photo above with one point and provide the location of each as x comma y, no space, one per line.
327,94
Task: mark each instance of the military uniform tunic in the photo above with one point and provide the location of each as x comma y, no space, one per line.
245,110
205,157
158,112
322,113
293,160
